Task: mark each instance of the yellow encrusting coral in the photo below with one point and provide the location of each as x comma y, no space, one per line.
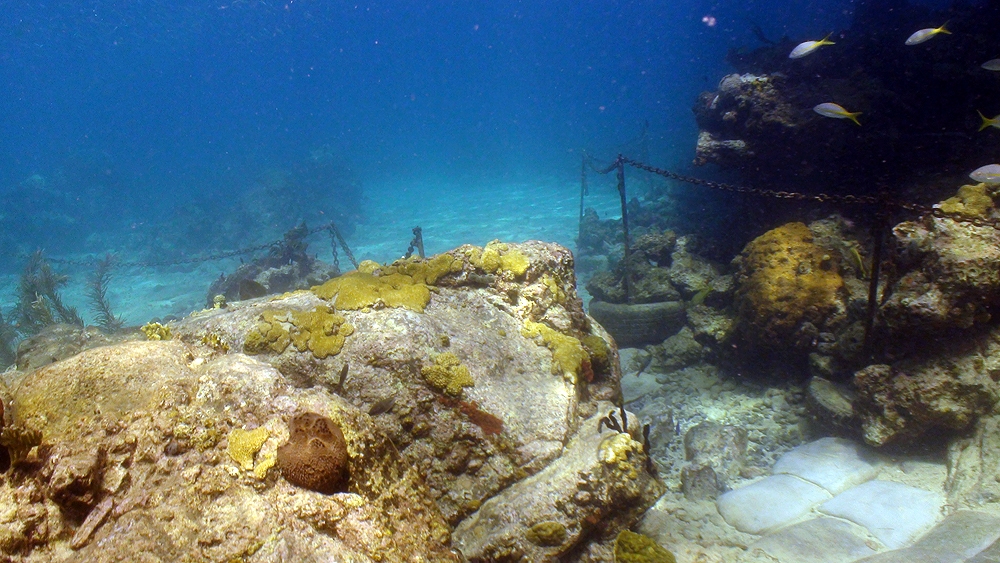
497,257
358,291
785,279
320,331
156,331
266,463
631,547
971,201
244,445
568,354
448,374
618,450
547,534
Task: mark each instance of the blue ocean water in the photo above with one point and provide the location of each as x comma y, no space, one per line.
166,129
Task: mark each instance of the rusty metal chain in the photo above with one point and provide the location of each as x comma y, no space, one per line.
846,199
196,260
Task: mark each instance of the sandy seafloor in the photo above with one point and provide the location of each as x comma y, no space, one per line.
449,214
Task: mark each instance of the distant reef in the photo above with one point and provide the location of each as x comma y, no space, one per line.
918,104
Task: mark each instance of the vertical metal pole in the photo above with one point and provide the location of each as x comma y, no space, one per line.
878,235
620,164
583,194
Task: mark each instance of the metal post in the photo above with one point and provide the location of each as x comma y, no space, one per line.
583,193
878,235
626,267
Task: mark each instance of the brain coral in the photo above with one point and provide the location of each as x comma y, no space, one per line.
785,280
315,456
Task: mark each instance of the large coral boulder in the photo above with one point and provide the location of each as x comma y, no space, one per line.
452,379
788,289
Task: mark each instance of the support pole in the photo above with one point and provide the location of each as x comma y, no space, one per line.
583,193
626,266
878,236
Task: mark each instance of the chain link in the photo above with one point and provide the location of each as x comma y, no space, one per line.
196,260
885,203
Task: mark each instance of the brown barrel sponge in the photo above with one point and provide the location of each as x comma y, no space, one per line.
315,456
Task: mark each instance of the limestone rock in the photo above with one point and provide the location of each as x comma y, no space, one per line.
597,471
130,447
678,351
902,402
950,276
974,465
132,439
721,447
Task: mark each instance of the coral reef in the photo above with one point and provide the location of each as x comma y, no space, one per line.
149,477
788,289
917,112
315,456
174,479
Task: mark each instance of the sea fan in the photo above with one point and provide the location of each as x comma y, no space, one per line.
39,304
97,293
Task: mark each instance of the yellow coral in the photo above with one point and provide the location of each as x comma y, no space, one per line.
260,470
320,331
497,257
361,291
215,342
631,547
971,201
448,374
156,331
568,354
244,445
784,280
425,271
618,450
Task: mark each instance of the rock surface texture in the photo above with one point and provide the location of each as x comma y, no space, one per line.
454,380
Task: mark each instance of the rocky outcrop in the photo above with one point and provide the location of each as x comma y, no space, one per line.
949,276
453,379
946,391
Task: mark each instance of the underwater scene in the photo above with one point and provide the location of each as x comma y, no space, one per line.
571,282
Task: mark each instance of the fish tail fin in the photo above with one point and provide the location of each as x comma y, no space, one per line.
853,116
985,121
826,40
942,28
